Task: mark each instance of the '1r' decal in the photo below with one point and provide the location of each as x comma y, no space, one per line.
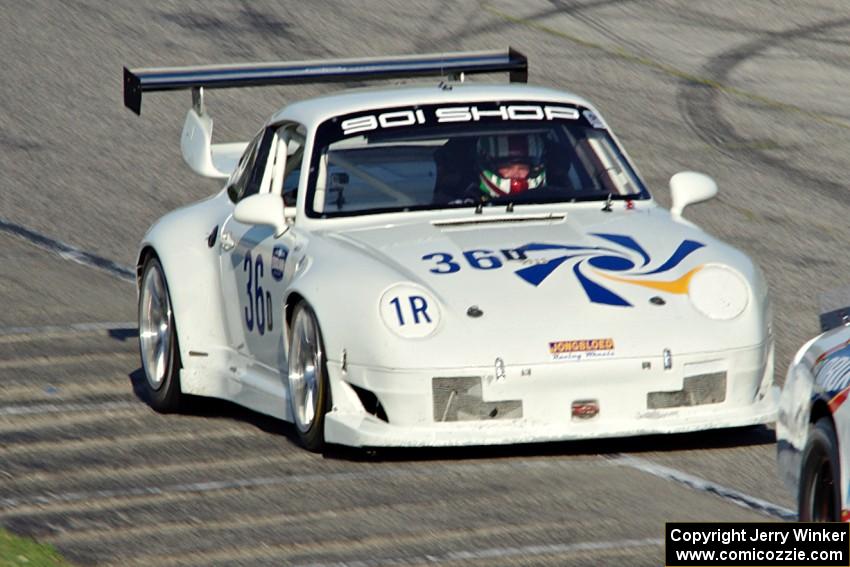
409,311
418,309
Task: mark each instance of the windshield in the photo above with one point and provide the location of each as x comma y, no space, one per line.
433,157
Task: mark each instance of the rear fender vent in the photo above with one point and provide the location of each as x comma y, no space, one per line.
696,391
370,402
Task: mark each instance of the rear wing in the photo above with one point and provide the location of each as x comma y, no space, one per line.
218,160
451,65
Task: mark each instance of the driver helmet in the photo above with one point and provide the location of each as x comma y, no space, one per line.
510,164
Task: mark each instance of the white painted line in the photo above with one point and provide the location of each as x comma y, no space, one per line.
39,409
496,553
70,328
321,478
697,483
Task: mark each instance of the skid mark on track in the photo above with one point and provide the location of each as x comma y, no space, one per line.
500,553
702,485
32,511
138,471
68,252
701,107
670,70
8,504
84,497
48,360
62,393
252,521
76,374
35,422
166,437
21,334
582,12
373,544
54,408
699,99
666,473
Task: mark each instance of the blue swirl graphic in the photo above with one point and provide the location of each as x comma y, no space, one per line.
604,259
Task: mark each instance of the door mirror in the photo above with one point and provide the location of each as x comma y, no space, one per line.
689,187
262,209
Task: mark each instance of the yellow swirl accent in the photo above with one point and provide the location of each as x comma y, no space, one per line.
678,286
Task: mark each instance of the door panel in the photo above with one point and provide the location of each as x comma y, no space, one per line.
254,262
253,282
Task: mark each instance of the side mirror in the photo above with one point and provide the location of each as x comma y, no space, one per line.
689,187
263,209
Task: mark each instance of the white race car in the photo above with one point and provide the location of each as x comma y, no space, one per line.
443,264
813,425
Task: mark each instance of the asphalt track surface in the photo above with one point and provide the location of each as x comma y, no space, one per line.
753,93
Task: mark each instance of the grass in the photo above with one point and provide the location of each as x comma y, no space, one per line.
16,551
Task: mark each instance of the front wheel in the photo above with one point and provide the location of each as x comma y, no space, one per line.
309,393
820,492
158,341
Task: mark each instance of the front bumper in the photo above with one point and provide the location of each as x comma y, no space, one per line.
545,393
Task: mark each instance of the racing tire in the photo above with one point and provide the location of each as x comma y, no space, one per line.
819,498
158,346
307,378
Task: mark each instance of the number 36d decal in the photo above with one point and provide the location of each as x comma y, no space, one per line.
258,308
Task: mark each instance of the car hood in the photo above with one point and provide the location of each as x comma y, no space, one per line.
529,285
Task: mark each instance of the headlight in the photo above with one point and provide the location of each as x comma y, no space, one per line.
718,292
409,311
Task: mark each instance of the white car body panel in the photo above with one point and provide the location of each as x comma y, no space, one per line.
816,386
344,268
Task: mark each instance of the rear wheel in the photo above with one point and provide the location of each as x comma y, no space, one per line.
820,492
309,393
158,346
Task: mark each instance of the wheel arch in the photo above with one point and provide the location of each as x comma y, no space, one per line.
822,440
165,395
329,323
180,242
820,408
292,299
332,324
141,260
